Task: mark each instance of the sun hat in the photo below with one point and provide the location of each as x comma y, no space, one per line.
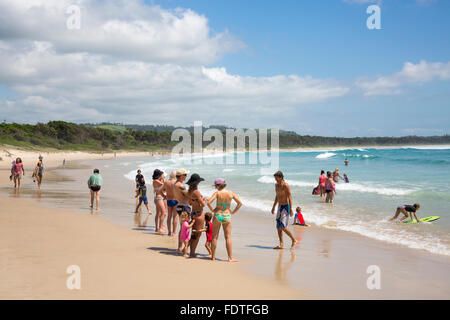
157,173
182,172
194,179
219,181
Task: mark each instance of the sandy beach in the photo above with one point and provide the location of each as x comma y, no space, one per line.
40,240
39,244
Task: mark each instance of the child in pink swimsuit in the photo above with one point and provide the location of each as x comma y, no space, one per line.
184,234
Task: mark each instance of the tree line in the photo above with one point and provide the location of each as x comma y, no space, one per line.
98,137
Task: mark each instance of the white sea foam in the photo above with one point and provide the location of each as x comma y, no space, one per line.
267,179
373,189
382,231
325,155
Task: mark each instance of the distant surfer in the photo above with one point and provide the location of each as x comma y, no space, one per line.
346,161
406,210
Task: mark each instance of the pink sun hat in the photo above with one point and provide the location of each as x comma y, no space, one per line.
219,181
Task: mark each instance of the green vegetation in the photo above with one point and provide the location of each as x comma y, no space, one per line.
70,136
106,137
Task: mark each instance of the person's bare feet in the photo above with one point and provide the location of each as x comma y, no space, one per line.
279,247
294,242
232,260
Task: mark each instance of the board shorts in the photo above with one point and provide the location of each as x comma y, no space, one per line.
95,187
283,216
172,203
183,207
143,199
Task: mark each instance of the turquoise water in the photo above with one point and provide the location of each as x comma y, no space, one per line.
380,180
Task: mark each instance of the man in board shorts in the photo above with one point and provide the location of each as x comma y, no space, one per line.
283,198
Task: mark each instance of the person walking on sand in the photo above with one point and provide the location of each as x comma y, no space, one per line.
407,210
283,198
158,184
37,173
141,192
172,217
182,197
330,188
95,184
18,170
197,202
222,215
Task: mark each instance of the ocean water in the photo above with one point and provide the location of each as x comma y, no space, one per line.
380,180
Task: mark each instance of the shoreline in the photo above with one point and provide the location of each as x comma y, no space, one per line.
326,264
55,157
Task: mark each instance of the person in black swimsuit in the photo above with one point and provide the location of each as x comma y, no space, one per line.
406,210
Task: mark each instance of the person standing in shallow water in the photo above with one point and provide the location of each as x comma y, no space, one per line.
95,184
283,198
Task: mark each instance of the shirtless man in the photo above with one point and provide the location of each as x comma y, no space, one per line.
172,217
283,198
181,195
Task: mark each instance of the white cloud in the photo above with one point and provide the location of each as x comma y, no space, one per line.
410,74
93,87
123,28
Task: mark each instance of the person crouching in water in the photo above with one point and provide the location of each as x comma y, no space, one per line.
298,219
406,210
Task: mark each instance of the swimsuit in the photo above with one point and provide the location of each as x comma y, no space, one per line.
322,180
183,207
282,216
158,197
184,234
223,218
172,203
208,231
142,195
95,188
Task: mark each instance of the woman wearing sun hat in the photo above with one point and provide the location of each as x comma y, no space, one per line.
197,202
222,215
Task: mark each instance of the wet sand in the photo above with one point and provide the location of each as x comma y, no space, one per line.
39,244
325,264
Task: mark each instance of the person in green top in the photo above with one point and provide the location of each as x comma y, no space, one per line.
95,184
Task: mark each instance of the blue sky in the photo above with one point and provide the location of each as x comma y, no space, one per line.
308,66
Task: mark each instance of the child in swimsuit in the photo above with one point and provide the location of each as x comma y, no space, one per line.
298,219
184,234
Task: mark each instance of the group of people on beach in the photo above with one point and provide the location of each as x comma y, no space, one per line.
18,170
327,184
185,209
